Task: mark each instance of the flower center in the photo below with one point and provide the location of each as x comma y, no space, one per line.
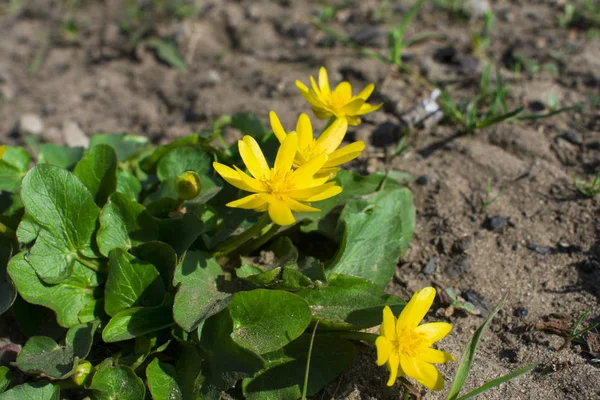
337,100
279,183
408,343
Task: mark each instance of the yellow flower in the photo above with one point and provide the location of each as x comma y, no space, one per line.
278,190
2,151
406,346
327,143
340,102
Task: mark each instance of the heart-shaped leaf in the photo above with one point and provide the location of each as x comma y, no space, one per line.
97,170
267,320
36,390
197,278
124,223
117,382
162,381
65,211
131,282
66,298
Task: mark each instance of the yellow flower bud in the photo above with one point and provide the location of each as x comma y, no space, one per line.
82,375
188,185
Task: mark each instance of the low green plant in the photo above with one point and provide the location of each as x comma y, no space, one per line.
140,271
584,14
588,189
487,200
577,333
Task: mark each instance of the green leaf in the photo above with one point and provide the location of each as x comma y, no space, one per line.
466,360
64,209
182,159
499,118
126,146
13,167
159,254
148,164
115,382
137,321
496,382
41,354
227,362
284,376
267,320
180,232
131,283
8,293
167,52
67,298
61,156
249,124
34,320
33,391
375,236
197,278
128,184
28,230
188,366
348,303
5,377
97,170
124,223
162,381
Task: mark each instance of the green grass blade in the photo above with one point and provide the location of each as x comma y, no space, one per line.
499,118
496,382
306,372
549,114
466,360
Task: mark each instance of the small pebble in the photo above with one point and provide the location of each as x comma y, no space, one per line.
495,223
431,266
30,124
520,312
74,136
463,244
459,265
573,137
424,180
543,250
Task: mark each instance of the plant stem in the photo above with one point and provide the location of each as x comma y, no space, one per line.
234,243
265,235
92,264
7,231
310,347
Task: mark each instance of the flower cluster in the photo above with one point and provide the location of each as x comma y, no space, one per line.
304,166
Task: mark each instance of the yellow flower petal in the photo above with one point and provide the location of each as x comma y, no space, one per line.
327,173
366,92
303,176
352,120
232,177
303,194
305,131
276,125
251,202
332,137
388,326
343,90
414,312
279,212
393,365
253,184
302,87
297,206
334,191
433,331
384,348
426,374
345,154
367,108
353,107
434,356
324,81
320,113
316,89
253,157
286,153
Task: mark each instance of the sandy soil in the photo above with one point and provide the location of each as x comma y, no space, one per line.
542,252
